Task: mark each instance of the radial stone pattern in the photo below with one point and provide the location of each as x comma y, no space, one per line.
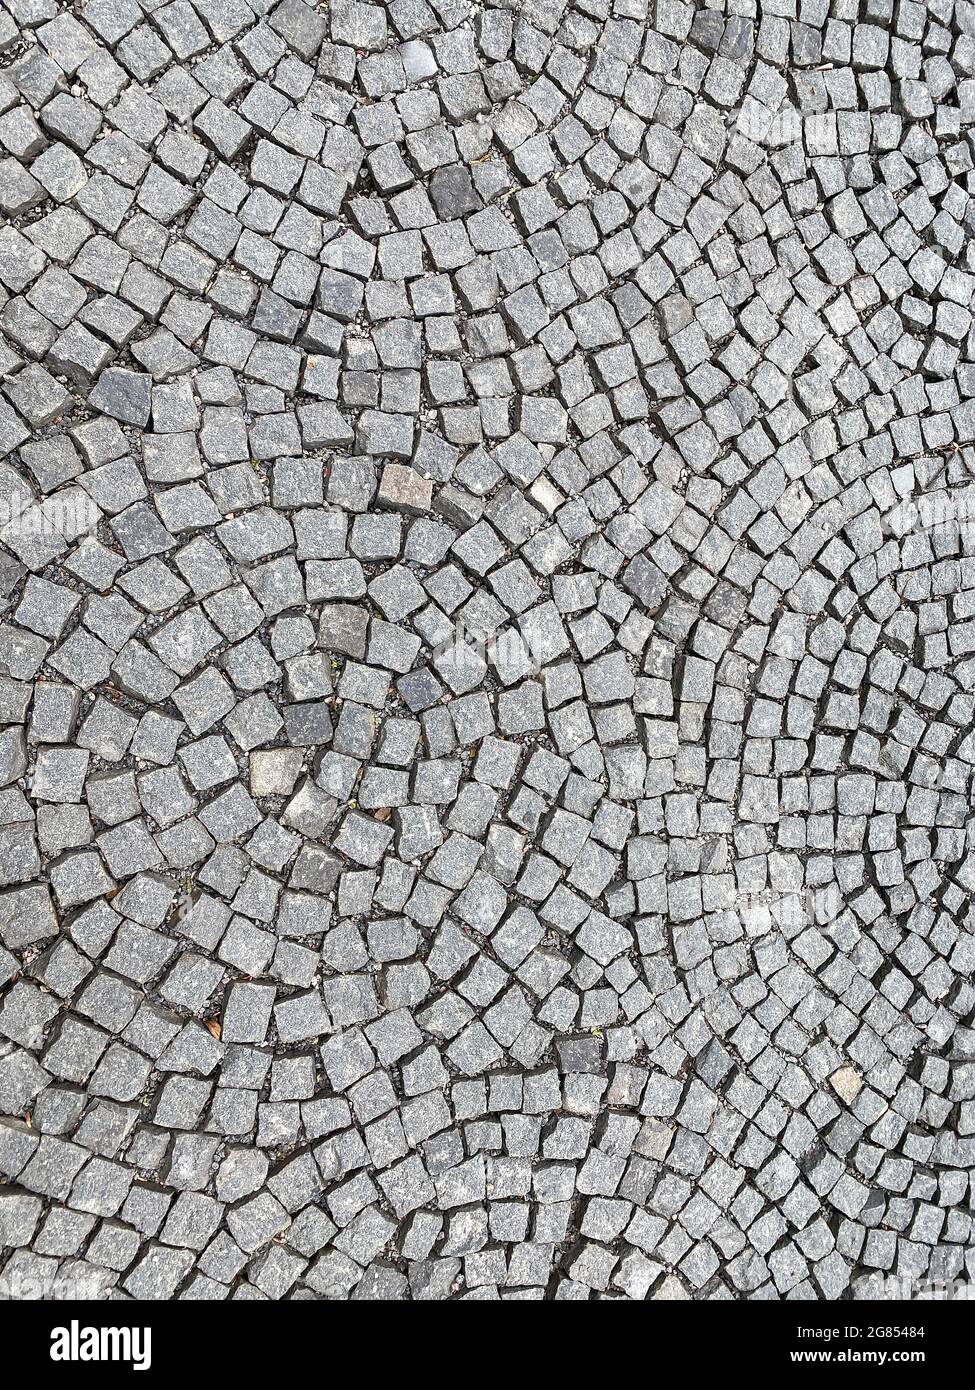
486,662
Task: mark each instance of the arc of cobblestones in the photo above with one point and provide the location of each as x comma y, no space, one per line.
486,652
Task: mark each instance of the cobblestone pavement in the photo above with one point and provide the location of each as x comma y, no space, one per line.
486,713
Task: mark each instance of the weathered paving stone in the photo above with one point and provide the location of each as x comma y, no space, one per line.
486,661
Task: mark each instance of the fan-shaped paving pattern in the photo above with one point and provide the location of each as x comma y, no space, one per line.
486,711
